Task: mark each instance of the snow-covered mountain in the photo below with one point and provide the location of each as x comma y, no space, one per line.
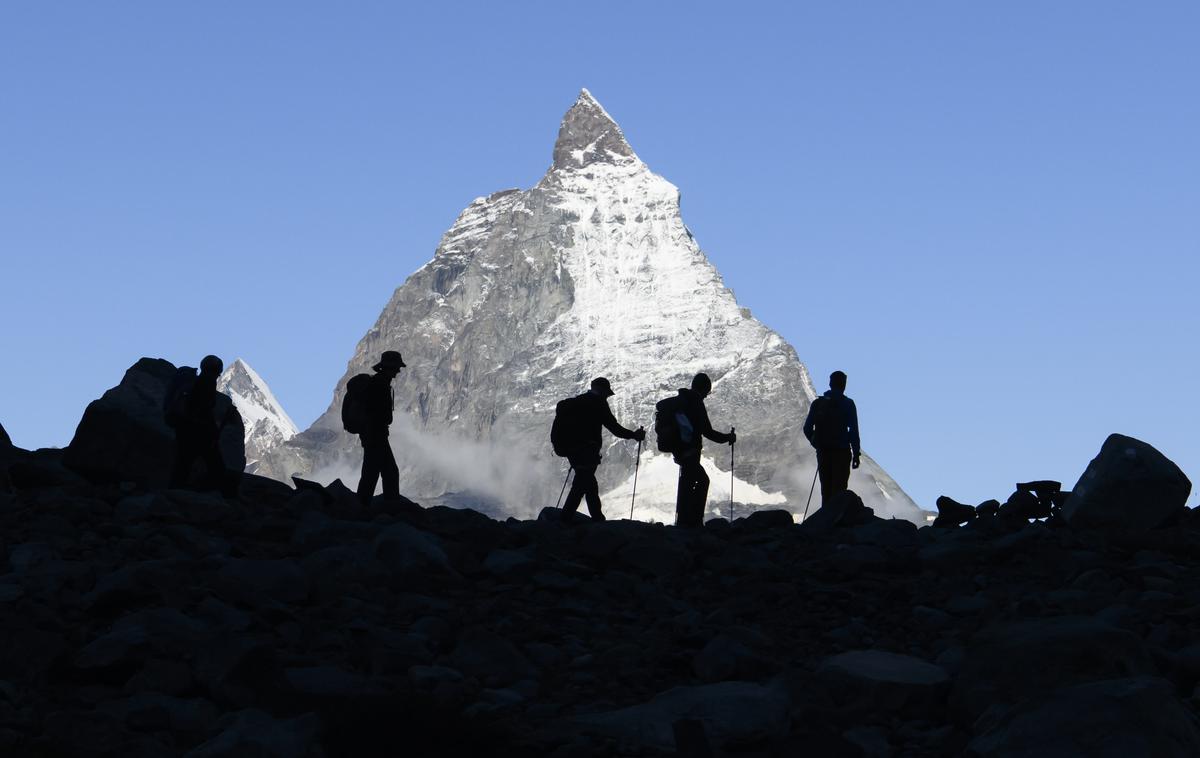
530,295
267,425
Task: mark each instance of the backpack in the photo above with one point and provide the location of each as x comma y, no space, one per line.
176,399
354,404
830,421
566,433
672,427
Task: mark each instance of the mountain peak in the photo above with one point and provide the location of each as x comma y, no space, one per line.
589,135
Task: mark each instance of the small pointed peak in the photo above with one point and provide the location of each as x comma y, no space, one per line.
589,135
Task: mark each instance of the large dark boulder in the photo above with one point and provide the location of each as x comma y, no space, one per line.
122,436
1116,717
5,442
1128,487
846,509
1011,662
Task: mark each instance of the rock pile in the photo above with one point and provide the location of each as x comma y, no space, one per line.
294,622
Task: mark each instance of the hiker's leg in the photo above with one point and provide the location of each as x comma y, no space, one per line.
825,472
681,496
370,470
699,495
214,464
185,453
591,491
389,471
577,491
840,470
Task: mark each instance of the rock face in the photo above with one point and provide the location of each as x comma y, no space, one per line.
530,295
297,622
267,424
1129,486
122,436
5,442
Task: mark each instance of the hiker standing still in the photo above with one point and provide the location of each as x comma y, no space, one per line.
197,434
692,494
590,414
378,459
832,428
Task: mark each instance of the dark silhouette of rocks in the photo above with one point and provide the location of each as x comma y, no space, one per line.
1127,470
298,622
123,437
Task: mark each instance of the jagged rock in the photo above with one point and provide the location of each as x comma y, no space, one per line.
865,681
252,732
952,513
1023,505
240,671
844,510
733,713
987,508
153,712
1115,718
6,444
256,581
1009,662
725,658
1128,487
770,518
122,436
492,659
405,550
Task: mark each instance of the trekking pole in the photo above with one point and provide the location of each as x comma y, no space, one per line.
810,491
636,463
732,445
564,488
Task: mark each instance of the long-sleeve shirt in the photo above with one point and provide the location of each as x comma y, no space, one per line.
595,415
842,418
380,403
697,414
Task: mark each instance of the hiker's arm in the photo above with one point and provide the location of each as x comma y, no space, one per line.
854,444
808,421
707,430
610,423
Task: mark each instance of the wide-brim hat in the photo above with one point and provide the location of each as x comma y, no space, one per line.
389,359
600,384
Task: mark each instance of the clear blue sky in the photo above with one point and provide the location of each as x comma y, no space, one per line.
988,214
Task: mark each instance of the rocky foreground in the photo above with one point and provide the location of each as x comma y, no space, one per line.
293,622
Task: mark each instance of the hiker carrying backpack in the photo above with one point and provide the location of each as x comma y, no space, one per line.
176,400
354,404
576,435
832,428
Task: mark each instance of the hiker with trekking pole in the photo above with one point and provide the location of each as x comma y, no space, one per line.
576,436
832,428
681,423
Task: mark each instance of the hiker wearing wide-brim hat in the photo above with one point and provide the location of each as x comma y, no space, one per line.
576,436
379,462
389,360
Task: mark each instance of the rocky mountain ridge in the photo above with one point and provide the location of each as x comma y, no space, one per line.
267,424
295,622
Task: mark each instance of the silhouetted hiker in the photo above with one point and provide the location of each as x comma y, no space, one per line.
681,424
832,428
576,436
189,407
367,411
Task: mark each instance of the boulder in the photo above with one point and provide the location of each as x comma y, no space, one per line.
726,658
1107,719
1010,662
122,436
1128,487
491,659
769,518
406,551
845,510
951,513
5,441
252,732
732,714
868,681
